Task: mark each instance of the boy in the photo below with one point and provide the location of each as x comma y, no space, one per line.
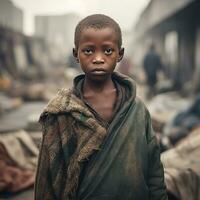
98,143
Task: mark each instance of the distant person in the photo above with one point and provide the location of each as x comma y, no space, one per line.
98,142
152,64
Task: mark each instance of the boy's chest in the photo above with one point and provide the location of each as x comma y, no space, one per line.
104,105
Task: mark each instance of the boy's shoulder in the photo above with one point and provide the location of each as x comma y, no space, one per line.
59,102
141,108
65,101
56,104
140,102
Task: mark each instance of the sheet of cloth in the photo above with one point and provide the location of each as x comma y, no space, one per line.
18,159
21,148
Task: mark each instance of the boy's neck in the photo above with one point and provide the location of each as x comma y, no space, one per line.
101,96
97,86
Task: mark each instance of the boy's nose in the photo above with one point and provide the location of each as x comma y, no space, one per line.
98,59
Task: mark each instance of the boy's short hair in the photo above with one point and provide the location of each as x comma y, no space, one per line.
97,21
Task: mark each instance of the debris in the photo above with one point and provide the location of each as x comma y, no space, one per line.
7,103
164,107
184,122
19,118
182,167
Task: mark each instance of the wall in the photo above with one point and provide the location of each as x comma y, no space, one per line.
11,16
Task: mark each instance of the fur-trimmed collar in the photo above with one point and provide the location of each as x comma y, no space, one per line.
66,101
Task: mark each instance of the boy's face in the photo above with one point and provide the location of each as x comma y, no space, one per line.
98,52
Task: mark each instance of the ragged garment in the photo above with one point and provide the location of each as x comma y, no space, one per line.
82,160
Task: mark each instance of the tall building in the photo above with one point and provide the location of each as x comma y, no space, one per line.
57,30
11,16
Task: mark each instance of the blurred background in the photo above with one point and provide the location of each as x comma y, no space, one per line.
162,53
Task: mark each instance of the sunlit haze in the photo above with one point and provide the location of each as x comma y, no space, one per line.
126,12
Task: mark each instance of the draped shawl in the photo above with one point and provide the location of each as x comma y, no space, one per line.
80,159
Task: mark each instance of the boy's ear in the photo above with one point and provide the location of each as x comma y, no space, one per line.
75,54
121,54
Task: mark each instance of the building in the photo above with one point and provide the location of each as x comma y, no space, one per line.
58,31
11,16
174,27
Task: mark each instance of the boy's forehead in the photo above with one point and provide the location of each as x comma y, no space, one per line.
97,29
107,32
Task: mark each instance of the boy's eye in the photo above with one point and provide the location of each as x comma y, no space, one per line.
88,51
108,51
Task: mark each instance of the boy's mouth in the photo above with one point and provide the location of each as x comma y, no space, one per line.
99,71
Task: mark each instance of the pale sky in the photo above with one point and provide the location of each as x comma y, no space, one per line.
125,12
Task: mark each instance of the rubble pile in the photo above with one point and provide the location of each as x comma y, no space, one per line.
176,121
182,167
